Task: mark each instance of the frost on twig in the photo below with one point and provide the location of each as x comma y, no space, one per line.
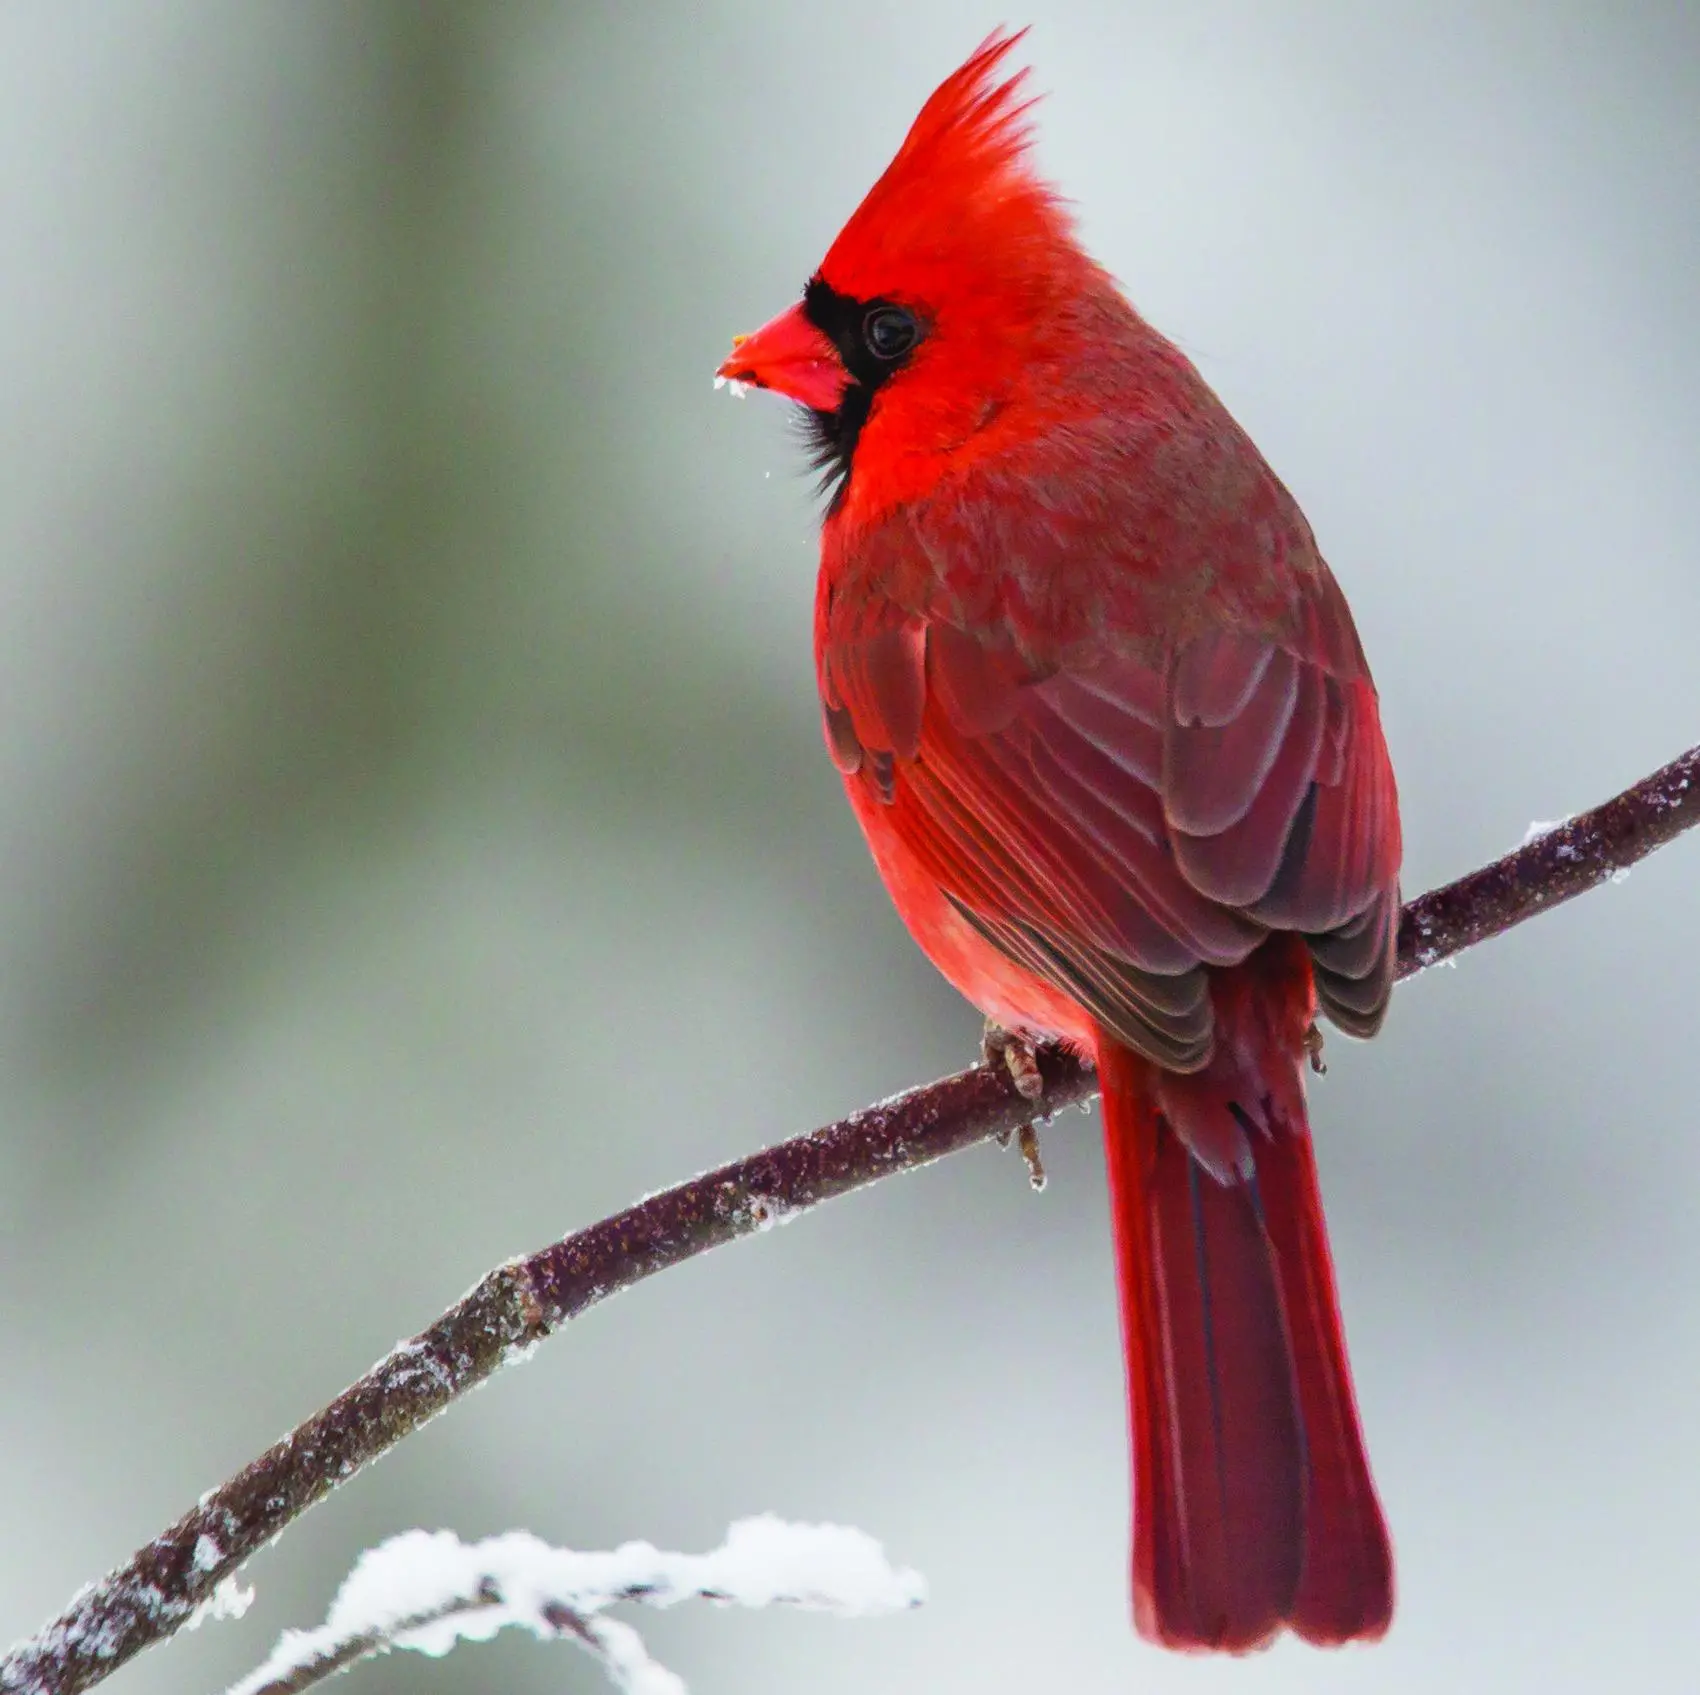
427,1591
231,1599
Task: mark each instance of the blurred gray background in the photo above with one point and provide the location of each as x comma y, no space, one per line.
415,842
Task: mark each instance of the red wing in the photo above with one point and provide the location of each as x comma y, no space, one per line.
1117,825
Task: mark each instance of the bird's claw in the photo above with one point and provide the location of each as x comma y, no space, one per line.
1027,1140
1020,1059
1313,1047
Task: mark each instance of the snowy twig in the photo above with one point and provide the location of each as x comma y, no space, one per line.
429,1591
518,1304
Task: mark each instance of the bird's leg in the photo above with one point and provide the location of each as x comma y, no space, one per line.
1313,1047
1020,1059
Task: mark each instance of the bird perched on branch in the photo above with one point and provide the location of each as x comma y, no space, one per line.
1105,721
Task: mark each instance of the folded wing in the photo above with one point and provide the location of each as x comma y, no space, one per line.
1122,821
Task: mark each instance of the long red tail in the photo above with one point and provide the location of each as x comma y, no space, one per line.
1253,1505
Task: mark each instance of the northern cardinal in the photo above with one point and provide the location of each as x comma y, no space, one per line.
1105,721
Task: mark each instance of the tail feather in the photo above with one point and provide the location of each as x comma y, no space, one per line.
1253,1507
1346,1590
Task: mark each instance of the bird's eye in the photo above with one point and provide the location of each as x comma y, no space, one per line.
890,332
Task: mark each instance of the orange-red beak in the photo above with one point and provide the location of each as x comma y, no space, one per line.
791,357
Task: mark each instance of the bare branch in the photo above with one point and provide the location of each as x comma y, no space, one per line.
1592,848
518,1304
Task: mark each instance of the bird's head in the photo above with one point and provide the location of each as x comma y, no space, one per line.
932,308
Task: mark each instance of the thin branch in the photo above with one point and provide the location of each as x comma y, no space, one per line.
458,1613
428,1591
308,1673
519,1304
1558,865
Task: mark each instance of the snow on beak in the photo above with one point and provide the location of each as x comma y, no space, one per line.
791,357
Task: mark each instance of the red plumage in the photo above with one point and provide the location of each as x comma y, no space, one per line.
1103,716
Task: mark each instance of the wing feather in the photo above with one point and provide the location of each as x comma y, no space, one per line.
1120,822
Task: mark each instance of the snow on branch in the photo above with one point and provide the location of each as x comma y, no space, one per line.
519,1304
428,1591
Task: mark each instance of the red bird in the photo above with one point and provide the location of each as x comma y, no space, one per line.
1104,719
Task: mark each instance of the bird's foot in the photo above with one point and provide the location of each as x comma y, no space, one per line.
1020,1059
1313,1047
1019,1055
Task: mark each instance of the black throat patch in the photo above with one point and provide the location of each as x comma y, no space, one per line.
831,437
